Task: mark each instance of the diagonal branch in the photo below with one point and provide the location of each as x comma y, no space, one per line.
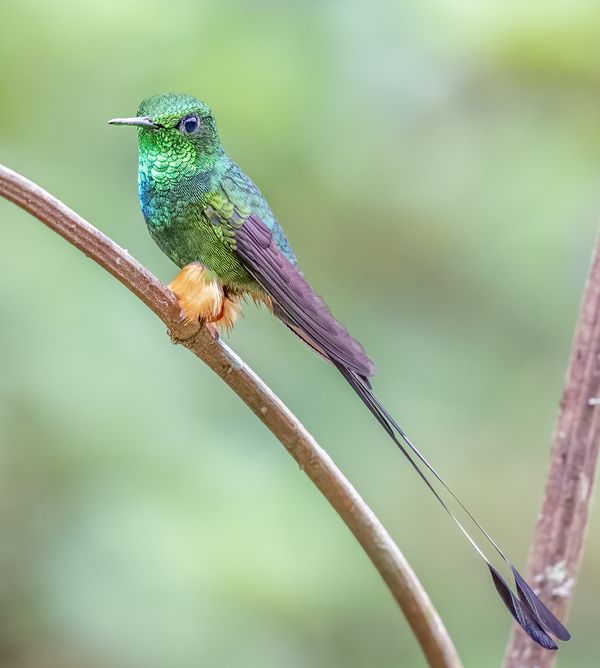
312,459
557,548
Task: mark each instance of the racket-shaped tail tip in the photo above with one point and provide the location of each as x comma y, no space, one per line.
528,611
541,613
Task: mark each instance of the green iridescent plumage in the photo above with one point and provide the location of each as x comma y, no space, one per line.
193,195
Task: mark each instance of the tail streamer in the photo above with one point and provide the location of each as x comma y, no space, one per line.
525,606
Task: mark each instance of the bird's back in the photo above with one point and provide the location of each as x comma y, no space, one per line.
244,193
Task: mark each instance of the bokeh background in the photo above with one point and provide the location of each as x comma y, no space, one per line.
436,166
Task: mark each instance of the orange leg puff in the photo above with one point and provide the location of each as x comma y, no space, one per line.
202,297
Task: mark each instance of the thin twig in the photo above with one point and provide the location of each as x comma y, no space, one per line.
312,459
556,551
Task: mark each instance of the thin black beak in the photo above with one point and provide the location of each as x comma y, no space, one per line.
140,121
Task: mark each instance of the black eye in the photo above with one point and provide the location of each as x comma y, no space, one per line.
190,124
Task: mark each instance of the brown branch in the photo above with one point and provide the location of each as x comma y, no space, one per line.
557,548
312,459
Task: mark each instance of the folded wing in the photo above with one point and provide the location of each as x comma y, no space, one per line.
294,301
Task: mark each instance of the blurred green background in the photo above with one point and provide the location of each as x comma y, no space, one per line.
436,167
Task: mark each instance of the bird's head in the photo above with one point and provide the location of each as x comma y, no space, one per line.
177,135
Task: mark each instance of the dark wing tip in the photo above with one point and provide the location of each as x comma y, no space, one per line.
522,613
544,617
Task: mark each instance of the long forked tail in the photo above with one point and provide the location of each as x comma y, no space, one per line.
305,313
527,609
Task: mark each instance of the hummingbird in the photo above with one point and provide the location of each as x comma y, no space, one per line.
213,222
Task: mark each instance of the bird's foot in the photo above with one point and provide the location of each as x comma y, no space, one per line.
202,297
230,312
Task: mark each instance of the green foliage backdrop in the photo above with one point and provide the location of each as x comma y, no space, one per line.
436,166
